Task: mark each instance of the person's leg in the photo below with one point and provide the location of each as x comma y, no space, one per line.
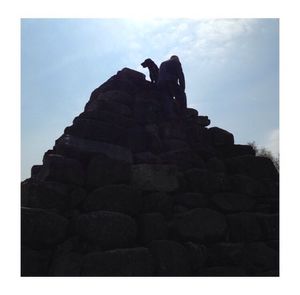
167,99
180,98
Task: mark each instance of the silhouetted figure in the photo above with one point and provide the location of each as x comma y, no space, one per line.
171,81
153,69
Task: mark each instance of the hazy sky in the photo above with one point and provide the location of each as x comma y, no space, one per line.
231,68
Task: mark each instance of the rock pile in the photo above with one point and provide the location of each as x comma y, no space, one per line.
127,192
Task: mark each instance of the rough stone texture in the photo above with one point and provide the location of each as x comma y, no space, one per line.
221,137
107,229
103,170
157,202
236,150
126,175
120,198
204,181
259,258
269,224
94,130
255,167
81,148
50,195
230,202
34,263
200,225
152,226
184,159
171,258
244,227
41,228
245,185
68,264
198,256
59,168
155,177
223,271
192,200
225,254
119,262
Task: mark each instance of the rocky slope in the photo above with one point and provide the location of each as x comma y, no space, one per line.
126,191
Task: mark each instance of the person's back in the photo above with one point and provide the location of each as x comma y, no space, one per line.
170,73
171,70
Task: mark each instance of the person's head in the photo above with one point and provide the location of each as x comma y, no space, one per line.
174,57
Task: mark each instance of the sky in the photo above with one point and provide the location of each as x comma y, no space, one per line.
231,68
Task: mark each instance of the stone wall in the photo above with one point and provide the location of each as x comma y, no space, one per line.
126,191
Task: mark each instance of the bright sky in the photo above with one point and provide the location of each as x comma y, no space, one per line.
231,68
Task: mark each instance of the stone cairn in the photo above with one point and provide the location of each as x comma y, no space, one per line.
126,192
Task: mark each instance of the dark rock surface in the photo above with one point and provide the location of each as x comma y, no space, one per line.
107,229
125,191
171,258
200,225
119,262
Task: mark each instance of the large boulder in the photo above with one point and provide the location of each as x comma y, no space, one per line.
221,137
191,113
198,256
146,158
61,169
50,195
205,181
96,130
34,262
259,258
41,228
200,225
108,117
172,130
184,159
269,224
152,226
157,202
146,112
155,177
202,121
113,101
236,150
255,167
192,200
107,229
43,194
174,145
103,170
225,254
126,80
67,264
232,202
243,227
84,148
223,271
143,139
120,198
119,262
171,258
246,185
216,165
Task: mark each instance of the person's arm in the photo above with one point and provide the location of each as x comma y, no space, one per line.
181,77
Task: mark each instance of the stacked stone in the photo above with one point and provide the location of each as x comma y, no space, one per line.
126,191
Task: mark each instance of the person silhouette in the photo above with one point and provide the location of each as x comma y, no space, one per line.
172,82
